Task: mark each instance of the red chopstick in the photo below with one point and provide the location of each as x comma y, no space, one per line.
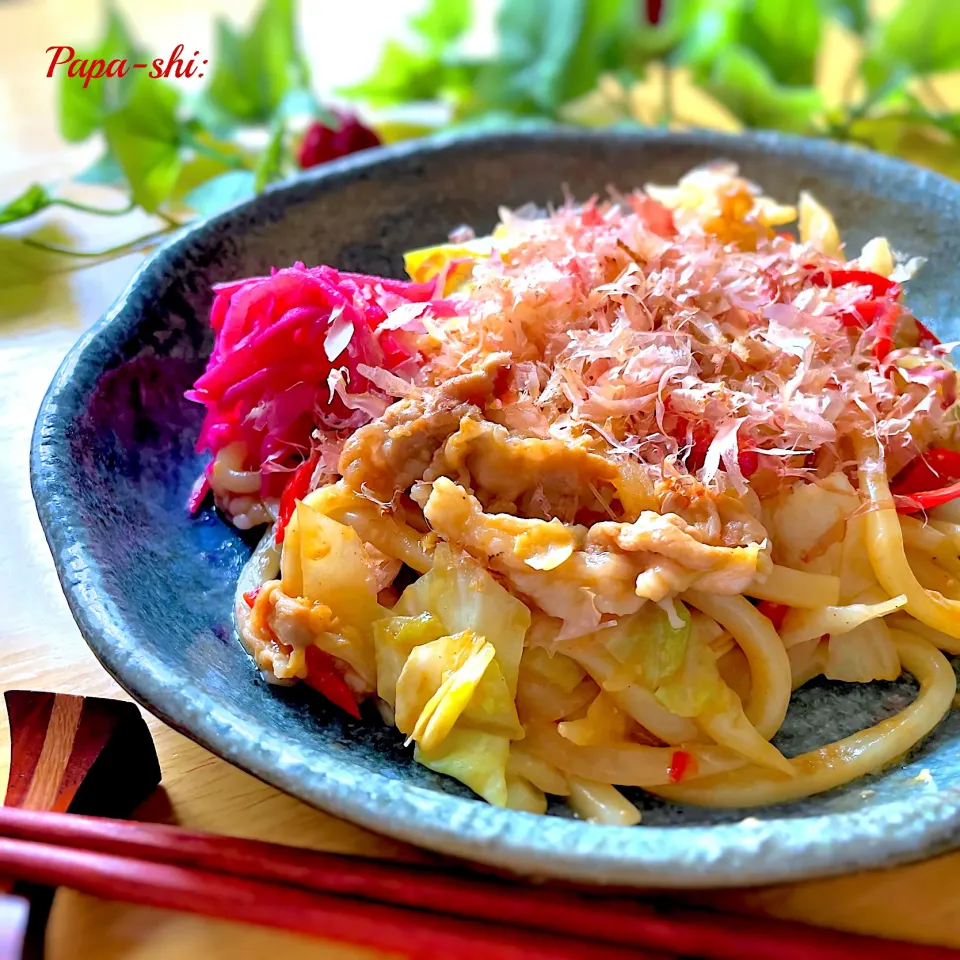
614,920
407,933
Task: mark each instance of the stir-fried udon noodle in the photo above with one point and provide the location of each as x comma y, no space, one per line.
579,505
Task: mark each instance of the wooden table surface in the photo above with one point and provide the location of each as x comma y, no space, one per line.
41,646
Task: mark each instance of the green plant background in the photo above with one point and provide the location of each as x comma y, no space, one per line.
742,63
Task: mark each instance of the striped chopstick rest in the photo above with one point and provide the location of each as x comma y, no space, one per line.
68,754
78,754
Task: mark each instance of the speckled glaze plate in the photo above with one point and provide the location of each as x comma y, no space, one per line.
151,588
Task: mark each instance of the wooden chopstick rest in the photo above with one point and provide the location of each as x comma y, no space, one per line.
71,754
76,754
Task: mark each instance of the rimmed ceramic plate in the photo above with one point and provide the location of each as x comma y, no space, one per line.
152,588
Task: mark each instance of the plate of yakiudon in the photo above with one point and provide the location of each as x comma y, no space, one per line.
586,505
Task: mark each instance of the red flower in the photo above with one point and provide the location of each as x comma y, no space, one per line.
321,143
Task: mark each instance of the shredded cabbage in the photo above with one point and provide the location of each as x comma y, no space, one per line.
523,795
816,225
336,574
465,597
557,669
475,758
865,653
696,687
436,684
800,625
806,523
451,693
604,723
448,678
647,644
334,566
394,639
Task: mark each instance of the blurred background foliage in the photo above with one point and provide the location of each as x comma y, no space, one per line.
846,69
884,74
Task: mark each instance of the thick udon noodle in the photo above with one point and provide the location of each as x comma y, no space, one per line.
585,726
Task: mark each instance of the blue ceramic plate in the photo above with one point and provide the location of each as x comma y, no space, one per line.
152,589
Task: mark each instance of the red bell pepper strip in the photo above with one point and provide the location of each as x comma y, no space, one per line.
865,312
886,321
250,597
915,487
681,764
861,315
927,500
928,471
925,336
702,437
749,462
774,612
198,493
879,286
324,678
298,486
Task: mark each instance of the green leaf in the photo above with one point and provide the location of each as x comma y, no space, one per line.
272,41
742,83
713,26
554,51
255,70
221,192
538,39
442,22
82,109
923,35
195,171
932,141
604,45
853,14
144,136
104,170
226,95
785,36
432,70
401,76
948,123
34,199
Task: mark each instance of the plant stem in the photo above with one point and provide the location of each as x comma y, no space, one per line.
131,246
234,161
86,208
171,222
858,112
